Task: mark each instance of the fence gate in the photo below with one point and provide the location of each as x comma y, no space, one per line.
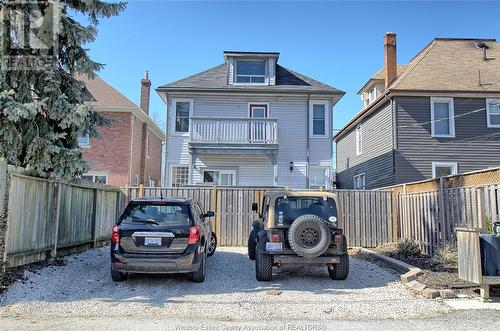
365,216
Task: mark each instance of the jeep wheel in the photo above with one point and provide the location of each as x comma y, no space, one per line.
263,266
199,275
309,236
118,276
251,246
339,271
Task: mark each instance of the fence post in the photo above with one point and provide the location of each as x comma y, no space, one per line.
141,191
94,218
4,189
215,207
395,216
481,212
55,216
442,216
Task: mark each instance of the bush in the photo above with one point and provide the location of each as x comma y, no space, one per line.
408,248
448,253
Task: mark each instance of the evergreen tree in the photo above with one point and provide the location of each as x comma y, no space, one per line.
44,110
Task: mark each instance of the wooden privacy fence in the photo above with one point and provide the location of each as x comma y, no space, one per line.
431,217
365,216
45,216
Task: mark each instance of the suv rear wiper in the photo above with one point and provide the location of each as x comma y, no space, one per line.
144,220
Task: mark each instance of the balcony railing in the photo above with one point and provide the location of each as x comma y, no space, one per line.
234,130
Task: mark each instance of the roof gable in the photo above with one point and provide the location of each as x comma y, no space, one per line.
215,79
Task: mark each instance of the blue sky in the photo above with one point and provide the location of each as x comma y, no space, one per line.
338,43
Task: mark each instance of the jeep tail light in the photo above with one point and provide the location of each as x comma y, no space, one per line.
275,237
115,237
338,239
194,234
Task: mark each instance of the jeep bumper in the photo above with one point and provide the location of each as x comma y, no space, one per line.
294,259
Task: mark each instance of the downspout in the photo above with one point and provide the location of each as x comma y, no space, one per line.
394,139
165,165
308,138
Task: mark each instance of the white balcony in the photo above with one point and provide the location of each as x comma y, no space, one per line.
254,135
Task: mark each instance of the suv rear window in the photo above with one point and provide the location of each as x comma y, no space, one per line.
164,214
292,207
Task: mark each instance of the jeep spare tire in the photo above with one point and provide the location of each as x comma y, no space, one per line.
309,236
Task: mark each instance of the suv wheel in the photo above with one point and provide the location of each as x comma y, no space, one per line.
118,276
309,236
251,245
263,266
199,276
212,245
339,271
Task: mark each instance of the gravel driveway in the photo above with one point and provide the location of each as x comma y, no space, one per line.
83,289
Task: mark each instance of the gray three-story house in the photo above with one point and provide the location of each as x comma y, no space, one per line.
436,116
249,122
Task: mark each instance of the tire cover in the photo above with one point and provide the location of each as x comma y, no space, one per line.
309,236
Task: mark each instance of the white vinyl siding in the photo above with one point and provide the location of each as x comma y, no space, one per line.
442,117
493,113
442,169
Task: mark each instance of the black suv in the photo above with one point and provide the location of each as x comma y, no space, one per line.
298,227
162,235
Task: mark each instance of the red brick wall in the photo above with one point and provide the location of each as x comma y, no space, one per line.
136,150
109,153
153,162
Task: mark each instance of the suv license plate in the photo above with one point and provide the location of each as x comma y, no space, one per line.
273,247
152,241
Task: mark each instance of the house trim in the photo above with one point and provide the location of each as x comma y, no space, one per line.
451,118
173,117
488,114
313,102
453,165
257,103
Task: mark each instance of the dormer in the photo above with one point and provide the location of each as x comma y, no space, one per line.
251,68
371,91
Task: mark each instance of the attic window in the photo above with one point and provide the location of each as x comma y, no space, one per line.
250,71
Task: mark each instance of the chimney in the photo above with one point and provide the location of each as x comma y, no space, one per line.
390,63
145,88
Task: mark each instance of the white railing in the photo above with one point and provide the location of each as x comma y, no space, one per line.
234,130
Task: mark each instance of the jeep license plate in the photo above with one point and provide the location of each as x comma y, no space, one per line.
273,247
148,241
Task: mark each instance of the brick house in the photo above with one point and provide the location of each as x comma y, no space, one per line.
129,151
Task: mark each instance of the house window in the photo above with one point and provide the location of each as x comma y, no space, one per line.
152,182
220,177
360,182
493,112
317,177
180,175
183,110
442,117
318,118
250,71
84,141
137,179
359,139
442,169
101,179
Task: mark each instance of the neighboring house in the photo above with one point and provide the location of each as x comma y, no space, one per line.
129,151
436,116
249,122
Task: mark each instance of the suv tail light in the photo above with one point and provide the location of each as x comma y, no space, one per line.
194,234
115,237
